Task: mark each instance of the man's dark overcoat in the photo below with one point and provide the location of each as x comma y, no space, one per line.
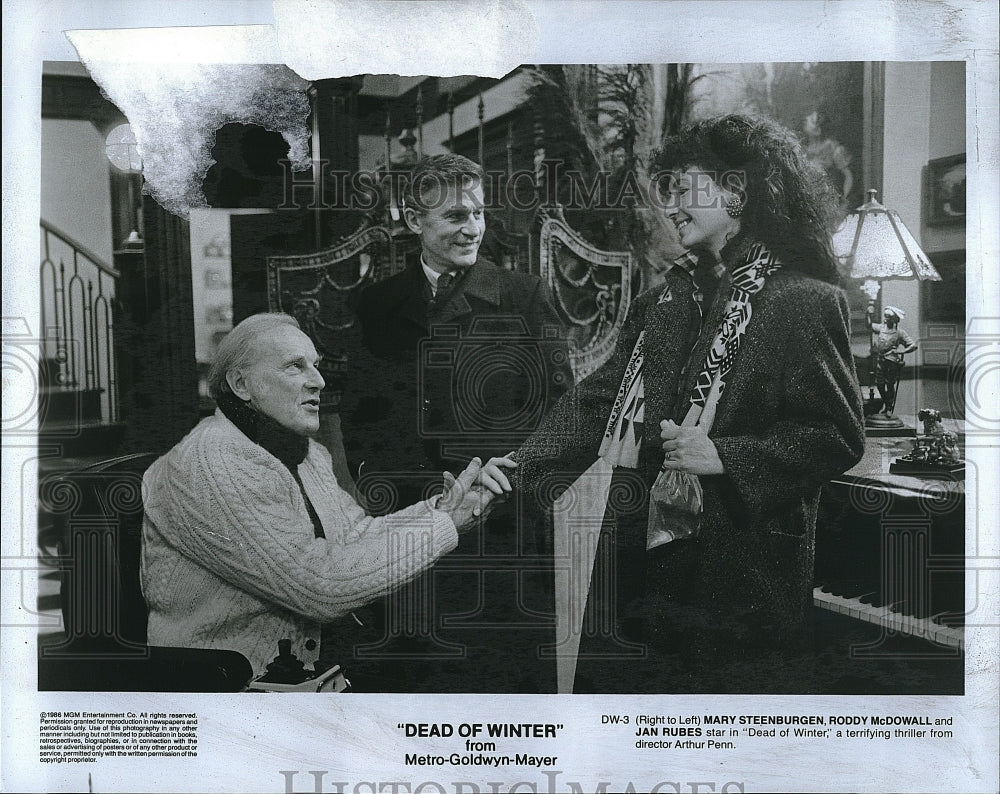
470,373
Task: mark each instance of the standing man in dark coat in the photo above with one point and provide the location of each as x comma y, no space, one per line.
460,359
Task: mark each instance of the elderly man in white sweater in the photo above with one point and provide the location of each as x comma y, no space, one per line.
247,537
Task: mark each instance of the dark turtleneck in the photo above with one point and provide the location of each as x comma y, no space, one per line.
736,249
287,446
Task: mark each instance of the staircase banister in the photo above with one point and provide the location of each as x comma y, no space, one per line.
94,258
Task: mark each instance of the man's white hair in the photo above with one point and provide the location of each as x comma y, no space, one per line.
237,348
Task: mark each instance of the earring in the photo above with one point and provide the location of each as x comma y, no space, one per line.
734,207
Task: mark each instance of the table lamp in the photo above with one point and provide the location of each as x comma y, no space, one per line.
875,245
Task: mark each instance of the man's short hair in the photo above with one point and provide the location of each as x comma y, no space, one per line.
440,170
237,347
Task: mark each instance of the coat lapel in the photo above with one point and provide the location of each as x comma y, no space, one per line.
406,298
481,282
752,351
696,359
755,351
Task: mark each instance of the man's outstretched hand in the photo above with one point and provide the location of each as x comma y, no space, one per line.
463,499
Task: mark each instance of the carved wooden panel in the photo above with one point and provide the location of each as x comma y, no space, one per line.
591,288
321,291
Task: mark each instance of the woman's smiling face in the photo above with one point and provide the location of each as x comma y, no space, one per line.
697,206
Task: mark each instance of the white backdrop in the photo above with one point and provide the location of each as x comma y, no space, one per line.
271,743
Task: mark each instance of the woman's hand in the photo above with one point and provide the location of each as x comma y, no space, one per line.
689,449
492,477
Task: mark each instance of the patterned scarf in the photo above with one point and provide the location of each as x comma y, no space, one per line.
676,499
748,279
625,429
626,423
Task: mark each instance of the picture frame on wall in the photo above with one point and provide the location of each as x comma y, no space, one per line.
835,108
945,191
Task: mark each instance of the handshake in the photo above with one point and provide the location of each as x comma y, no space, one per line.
470,498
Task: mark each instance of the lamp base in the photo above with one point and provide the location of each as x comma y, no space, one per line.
873,405
886,425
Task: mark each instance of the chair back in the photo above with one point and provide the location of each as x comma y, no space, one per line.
321,290
98,510
100,536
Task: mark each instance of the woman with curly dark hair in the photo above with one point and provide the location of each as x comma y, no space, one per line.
704,441
768,408
684,474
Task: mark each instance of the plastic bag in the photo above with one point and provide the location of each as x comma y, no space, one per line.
675,504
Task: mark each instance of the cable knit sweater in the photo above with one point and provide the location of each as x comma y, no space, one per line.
229,555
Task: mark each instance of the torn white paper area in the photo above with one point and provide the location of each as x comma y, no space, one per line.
178,86
336,38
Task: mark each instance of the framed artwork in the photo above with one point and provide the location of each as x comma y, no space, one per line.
836,108
833,107
217,278
945,190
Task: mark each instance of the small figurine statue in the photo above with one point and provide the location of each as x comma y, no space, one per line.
887,357
934,449
943,445
931,418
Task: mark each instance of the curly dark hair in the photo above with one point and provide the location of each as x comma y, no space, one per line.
789,204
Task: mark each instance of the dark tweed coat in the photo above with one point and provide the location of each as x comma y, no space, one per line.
568,441
790,419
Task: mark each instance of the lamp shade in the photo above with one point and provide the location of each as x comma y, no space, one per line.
875,244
